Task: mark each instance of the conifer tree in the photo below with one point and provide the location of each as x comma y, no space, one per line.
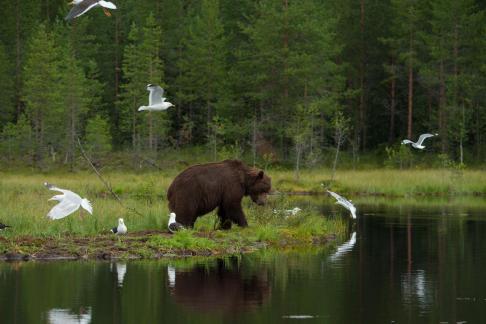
405,26
203,64
41,91
7,108
74,100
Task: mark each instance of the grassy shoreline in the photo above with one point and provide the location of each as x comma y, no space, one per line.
156,244
25,203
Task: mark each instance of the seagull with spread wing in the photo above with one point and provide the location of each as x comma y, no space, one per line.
344,202
156,99
69,202
418,144
82,6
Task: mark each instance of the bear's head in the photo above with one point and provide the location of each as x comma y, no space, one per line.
258,185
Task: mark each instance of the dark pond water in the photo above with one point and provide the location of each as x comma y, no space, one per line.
399,265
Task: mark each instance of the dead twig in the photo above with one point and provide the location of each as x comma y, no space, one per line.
106,183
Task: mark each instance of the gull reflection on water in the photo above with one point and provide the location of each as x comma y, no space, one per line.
343,248
171,275
66,316
121,271
415,287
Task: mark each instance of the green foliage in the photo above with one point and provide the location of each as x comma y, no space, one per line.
98,137
7,88
272,72
399,157
142,65
41,92
15,140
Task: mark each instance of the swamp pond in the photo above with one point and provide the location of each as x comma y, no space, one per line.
402,262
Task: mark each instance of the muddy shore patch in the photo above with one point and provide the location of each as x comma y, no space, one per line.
150,244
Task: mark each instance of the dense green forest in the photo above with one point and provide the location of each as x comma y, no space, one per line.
272,80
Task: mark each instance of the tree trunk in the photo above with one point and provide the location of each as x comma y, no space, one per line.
253,141
410,91
18,67
298,151
362,81
442,110
338,146
392,104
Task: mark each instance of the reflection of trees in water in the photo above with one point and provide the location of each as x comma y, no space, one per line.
222,287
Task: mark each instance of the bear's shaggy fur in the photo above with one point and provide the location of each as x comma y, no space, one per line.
201,188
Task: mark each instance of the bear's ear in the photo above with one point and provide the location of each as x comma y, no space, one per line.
260,175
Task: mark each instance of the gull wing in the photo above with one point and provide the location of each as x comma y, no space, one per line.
54,188
156,95
344,202
407,141
107,4
423,137
63,209
86,204
81,8
340,200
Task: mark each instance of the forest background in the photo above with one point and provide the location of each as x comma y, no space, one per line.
282,82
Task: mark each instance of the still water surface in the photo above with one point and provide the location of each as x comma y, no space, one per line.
398,265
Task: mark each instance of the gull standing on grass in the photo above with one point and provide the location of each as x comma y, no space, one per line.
69,202
345,203
418,144
156,99
288,212
173,225
82,6
121,228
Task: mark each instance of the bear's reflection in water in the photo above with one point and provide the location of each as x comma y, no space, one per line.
223,287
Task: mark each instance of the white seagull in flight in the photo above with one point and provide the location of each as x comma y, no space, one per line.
156,99
345,203
82,6
69,202
418,144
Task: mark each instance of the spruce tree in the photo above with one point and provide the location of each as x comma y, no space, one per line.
7,108
203,64
41,91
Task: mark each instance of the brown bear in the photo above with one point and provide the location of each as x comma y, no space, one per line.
201,188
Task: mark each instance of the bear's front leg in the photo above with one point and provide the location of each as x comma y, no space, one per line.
224,221
235,213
